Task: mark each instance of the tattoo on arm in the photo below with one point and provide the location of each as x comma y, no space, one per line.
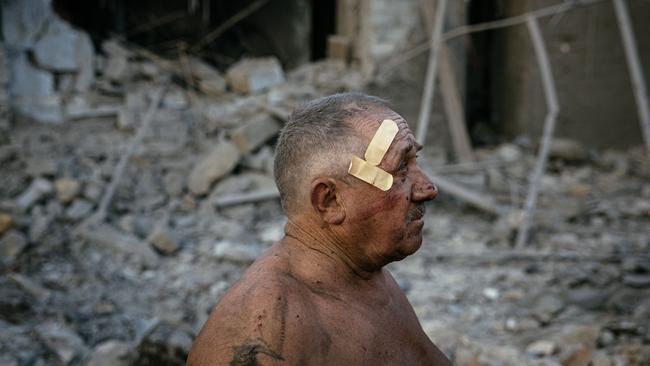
246,354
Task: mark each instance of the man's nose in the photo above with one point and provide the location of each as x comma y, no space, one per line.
423,189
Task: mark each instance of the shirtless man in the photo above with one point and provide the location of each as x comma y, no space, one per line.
321,296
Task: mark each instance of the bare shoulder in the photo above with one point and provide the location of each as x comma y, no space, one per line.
262,320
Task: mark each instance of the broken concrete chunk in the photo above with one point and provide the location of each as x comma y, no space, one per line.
175,99
110,353
547,307
61,340
117,67
92,191
79,209
22,22
234,252
56,50
261,160
28,80
113,47
108,237
85,56
221,161
5,222
637,280
210,80
11,245
164,240
38,189
255,132
39,224
30,286
67,189
255,75
174,183
568,150
41,166
541,348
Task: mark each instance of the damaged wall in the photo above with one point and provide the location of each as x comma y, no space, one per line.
47,59
597,105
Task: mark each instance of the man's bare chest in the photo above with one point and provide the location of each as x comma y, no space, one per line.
360,334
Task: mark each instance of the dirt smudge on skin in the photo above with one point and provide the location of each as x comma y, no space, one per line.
374,208
246,354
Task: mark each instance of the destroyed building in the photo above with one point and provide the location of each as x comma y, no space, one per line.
136,154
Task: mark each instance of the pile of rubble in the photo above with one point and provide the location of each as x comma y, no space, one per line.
132,279
126,218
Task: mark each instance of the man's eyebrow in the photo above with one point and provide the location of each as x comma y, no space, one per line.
406,148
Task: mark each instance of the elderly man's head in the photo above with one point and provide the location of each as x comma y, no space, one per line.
318,140
313,155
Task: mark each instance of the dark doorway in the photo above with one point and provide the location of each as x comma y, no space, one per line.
481,121
323,15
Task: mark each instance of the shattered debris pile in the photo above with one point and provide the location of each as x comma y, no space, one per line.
150,190
103,267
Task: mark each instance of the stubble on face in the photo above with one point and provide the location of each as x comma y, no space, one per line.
391,218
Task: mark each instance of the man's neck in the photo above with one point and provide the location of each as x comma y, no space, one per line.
333,254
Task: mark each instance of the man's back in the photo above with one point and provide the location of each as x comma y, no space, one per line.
290,309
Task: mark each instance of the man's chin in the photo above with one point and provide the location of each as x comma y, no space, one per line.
410,247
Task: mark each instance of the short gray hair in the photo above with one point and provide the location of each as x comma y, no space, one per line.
316,133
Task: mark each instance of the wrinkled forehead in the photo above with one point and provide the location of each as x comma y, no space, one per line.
369,126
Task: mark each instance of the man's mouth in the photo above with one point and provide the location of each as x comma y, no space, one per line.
416,213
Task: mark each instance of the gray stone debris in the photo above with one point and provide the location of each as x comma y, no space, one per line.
40,44
28,81
235,252
57,49
61,340
218,163
85,56
210,81
547,307
255,132
23,20
174,183
79,209
541,348
175,99
38,189
41,166
12,243
164,240
637,280
5,222
104,235
255,75
569,150
67,189
261,160
33,288
40,223
110,353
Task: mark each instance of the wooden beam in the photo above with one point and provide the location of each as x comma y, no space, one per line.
548,83
450,93
636,72
430,78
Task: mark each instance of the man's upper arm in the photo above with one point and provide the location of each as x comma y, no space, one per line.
259,325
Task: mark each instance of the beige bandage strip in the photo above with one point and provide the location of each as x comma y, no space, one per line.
367,170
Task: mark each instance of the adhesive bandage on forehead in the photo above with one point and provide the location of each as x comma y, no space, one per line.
367,170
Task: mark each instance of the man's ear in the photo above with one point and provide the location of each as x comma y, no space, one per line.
326,201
